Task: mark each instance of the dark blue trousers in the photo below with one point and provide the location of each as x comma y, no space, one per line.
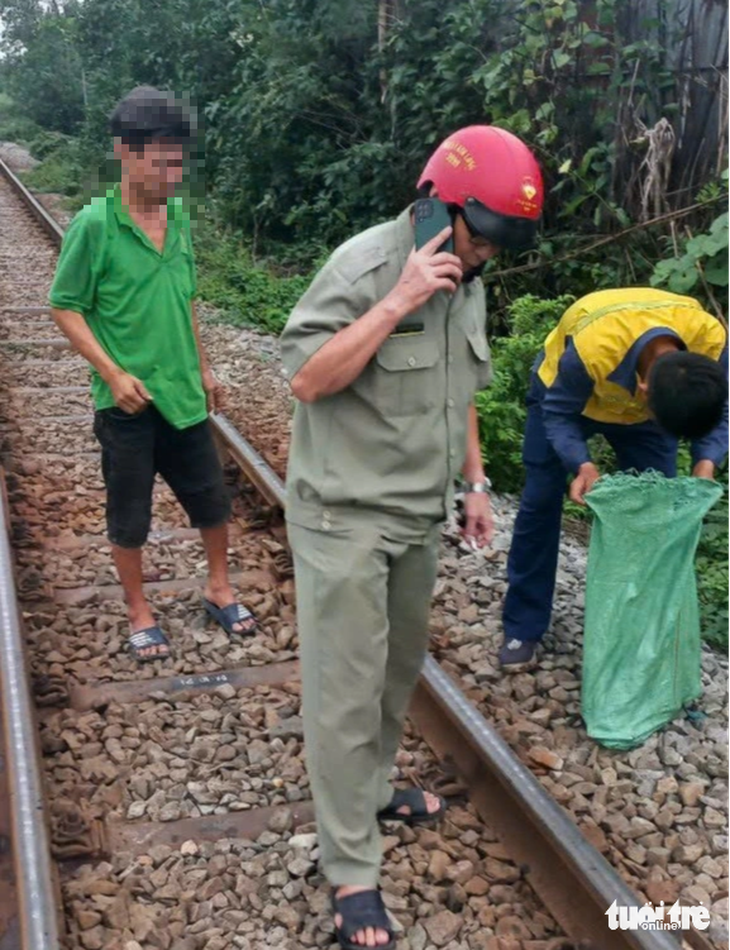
533,556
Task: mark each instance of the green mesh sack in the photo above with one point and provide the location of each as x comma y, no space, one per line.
641,648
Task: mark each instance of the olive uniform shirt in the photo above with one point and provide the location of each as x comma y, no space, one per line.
392,442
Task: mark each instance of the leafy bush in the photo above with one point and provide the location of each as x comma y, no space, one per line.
501,408
60,168
15,126
712,572
705,256
248,293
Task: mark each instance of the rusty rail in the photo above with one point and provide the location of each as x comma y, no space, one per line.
572,878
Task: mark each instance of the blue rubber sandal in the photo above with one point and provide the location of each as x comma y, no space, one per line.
358,911
415,799
230,615
143,640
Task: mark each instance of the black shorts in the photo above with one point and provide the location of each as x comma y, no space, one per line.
136,447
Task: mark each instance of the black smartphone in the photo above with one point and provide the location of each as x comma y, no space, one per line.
431,217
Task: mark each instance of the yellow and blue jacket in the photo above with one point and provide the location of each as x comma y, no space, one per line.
589,363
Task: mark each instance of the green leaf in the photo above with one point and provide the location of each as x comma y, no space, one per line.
704,245
716,270
587,159
683,279
594,39
565,167
720,225
545,110
598,69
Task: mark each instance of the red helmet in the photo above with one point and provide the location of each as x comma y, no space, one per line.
494,179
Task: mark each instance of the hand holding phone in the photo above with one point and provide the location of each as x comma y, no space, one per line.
431,216
429,268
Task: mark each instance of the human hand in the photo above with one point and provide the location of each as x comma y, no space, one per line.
478,520
586,478
129,393
214,392
704,469
427,271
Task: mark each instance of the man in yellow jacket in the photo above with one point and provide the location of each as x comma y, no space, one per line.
644,368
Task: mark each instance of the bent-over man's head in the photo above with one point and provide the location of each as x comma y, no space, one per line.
686,393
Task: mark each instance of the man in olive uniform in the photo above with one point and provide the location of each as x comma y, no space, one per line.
385,352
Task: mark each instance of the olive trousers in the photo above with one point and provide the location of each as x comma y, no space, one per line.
363,595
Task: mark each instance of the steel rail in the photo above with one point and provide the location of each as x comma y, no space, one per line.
37,912
573,879
49,224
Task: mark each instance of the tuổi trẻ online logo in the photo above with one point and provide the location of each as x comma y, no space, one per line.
648,917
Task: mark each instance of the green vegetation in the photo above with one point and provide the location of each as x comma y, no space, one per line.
501,408
318,115
703,263
712,572
247,293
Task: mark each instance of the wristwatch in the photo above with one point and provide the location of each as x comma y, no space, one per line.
477,487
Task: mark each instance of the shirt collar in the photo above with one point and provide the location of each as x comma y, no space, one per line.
123,216
626,373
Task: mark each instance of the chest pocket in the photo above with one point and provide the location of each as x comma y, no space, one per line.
478,355
400,381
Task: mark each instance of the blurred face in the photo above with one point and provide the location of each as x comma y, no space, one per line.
474,251
155,171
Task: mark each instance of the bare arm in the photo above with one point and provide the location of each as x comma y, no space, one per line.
342,358
473,469
74,326
129,392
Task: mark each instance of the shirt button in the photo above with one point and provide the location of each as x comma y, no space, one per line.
326,525
451,359
452,454
326,515
411,360
450,403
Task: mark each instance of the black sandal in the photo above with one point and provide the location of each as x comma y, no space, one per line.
415,799
144,639
230,615
359,911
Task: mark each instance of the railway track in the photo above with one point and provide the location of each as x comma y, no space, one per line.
133,789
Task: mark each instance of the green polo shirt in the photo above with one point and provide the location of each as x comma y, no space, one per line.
136,301
395,439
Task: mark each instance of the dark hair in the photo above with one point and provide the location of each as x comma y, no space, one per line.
687,394
147,114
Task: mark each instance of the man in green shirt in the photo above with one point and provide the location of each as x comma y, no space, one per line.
385,352
123,295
